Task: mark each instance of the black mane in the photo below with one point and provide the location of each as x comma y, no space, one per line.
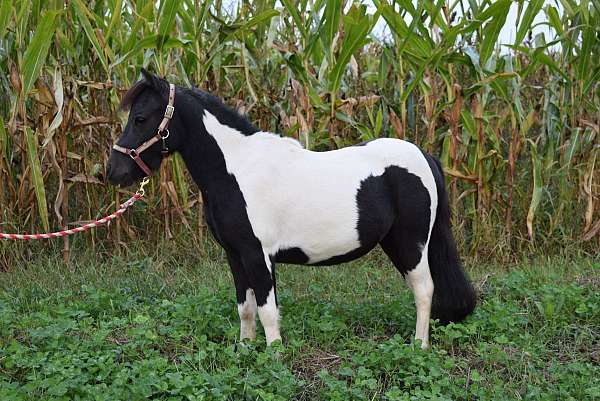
133,93
224,113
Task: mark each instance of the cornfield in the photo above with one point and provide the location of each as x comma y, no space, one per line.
516,125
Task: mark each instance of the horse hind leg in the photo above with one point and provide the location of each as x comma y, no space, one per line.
422,286
410,258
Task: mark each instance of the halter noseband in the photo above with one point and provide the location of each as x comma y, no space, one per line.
161,134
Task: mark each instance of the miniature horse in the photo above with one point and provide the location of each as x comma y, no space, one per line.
268,200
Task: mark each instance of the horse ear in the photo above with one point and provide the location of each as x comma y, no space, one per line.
157,83
148,76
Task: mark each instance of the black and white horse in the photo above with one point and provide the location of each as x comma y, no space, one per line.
268,200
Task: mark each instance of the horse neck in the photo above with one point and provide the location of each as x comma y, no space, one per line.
202,154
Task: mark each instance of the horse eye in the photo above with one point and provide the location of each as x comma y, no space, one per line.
139,120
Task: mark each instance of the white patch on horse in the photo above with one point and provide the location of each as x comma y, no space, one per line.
269,318
292,193
420,282
268,262
247,312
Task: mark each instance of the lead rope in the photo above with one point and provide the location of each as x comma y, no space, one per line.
122,208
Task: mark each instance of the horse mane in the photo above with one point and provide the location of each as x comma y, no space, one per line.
132,94
212,103
224,113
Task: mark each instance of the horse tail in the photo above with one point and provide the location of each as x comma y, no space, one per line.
453,296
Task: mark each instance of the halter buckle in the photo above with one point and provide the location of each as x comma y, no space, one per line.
133,153
169,111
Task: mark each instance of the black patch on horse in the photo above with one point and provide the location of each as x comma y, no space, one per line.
395,200
291,255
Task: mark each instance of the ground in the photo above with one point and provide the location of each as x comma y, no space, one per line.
165,326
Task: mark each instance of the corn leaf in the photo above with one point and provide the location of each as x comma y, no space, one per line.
415,44
114,20
5,13
37,51
536,196
293,11
59,101
330,22
166,20
23,18
180,182
554,20
593,79
37,178
137,29
533,8
4,143
149,42
82,14
492,29
357,25
572,148
588,41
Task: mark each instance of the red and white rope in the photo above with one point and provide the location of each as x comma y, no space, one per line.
76,230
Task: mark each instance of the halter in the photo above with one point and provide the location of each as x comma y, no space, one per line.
161,134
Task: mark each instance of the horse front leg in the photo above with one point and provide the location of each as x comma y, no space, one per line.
268,313
247,312
261,274
246,301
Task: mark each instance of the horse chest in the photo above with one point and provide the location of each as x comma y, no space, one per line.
227,219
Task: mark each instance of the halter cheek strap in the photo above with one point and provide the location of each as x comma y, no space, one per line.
161,134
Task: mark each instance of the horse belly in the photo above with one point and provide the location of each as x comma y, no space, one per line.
330,231
309,234
313,219
330,242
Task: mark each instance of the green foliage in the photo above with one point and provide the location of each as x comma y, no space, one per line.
498,13
36,176
159,329
37,50
82,14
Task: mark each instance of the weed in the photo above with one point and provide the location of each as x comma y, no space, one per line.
114,331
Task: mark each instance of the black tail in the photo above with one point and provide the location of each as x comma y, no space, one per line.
453,295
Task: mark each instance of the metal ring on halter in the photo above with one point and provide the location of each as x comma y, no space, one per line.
166,136
133,153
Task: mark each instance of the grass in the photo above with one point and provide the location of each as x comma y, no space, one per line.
164,326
